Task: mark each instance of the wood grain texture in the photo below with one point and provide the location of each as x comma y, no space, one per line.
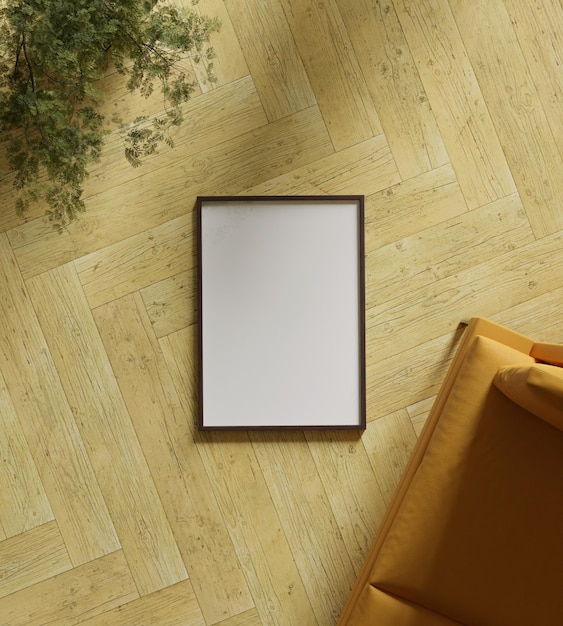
173,606
334,71
539,28
174,460
399,210
23,501
368,166
276,66
300,498
248,618
180,350
171,303
49,428
397,325
136,262
340,458
229,63
450,247
107,430
395,86
538,317
71,597
516,109
31,557
456,99
257,531
418,412
399,380
389,441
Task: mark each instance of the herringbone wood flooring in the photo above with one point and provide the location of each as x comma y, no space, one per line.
114,510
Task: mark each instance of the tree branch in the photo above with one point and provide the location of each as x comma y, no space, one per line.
28,62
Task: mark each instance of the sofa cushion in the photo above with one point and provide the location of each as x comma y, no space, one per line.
538,388
477,537
548,353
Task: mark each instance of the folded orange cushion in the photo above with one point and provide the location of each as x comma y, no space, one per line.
538,388
551,353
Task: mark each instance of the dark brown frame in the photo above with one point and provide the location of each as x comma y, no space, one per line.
203,203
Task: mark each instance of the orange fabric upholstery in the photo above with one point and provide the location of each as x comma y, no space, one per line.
538,388
474,534
393,611
548,353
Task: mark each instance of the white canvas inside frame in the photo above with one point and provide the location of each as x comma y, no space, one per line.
280,313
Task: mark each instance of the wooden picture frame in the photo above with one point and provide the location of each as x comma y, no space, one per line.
281,312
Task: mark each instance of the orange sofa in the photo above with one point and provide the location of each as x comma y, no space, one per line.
474,533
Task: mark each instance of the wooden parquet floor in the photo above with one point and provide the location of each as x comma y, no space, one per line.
114,510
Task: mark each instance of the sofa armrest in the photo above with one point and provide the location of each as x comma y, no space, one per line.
551,353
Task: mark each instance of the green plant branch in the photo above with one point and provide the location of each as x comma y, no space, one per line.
54,100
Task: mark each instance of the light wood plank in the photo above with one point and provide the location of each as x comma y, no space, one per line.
395,86
50,430
275,149
389,441
539,27
126,105
403,209
516,109
229,62
398,324
31,557
334,71
418,413
173,606
107,430
307,519
363,169
341,459
446,249
248,618
148,196
8,218
173,458
225,113
171,303
141,260
180,351
538,317
256,530
456,99
23,501
404,377
275,64
73,596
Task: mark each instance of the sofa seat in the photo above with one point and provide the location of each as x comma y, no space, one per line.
391,609
474,534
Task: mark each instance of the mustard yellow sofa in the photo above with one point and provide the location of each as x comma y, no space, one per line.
474,533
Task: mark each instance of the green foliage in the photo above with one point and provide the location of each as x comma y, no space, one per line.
53,54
